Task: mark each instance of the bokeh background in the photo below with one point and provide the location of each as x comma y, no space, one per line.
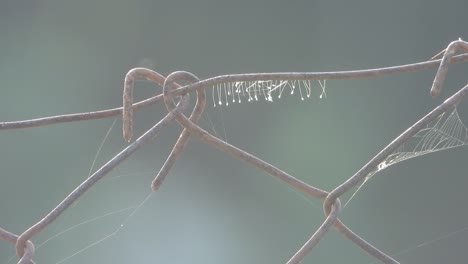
59,57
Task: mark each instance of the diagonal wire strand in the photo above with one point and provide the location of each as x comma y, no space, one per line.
88,183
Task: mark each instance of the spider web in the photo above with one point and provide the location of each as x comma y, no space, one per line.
445,132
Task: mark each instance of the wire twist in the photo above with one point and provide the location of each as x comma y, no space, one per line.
184,136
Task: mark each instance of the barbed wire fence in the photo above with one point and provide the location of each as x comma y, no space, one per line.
439,129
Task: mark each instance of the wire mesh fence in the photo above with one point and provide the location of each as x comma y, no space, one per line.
439,129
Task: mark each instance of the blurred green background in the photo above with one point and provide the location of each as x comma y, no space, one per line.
59,57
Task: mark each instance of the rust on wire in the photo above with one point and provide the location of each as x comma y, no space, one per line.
172,90
443,67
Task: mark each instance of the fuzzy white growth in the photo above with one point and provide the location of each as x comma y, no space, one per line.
269,89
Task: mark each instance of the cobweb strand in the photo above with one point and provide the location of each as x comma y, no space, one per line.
445,132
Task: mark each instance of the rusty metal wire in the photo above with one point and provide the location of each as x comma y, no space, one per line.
173,90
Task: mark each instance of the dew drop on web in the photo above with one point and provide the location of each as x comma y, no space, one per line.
382,165
269,98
